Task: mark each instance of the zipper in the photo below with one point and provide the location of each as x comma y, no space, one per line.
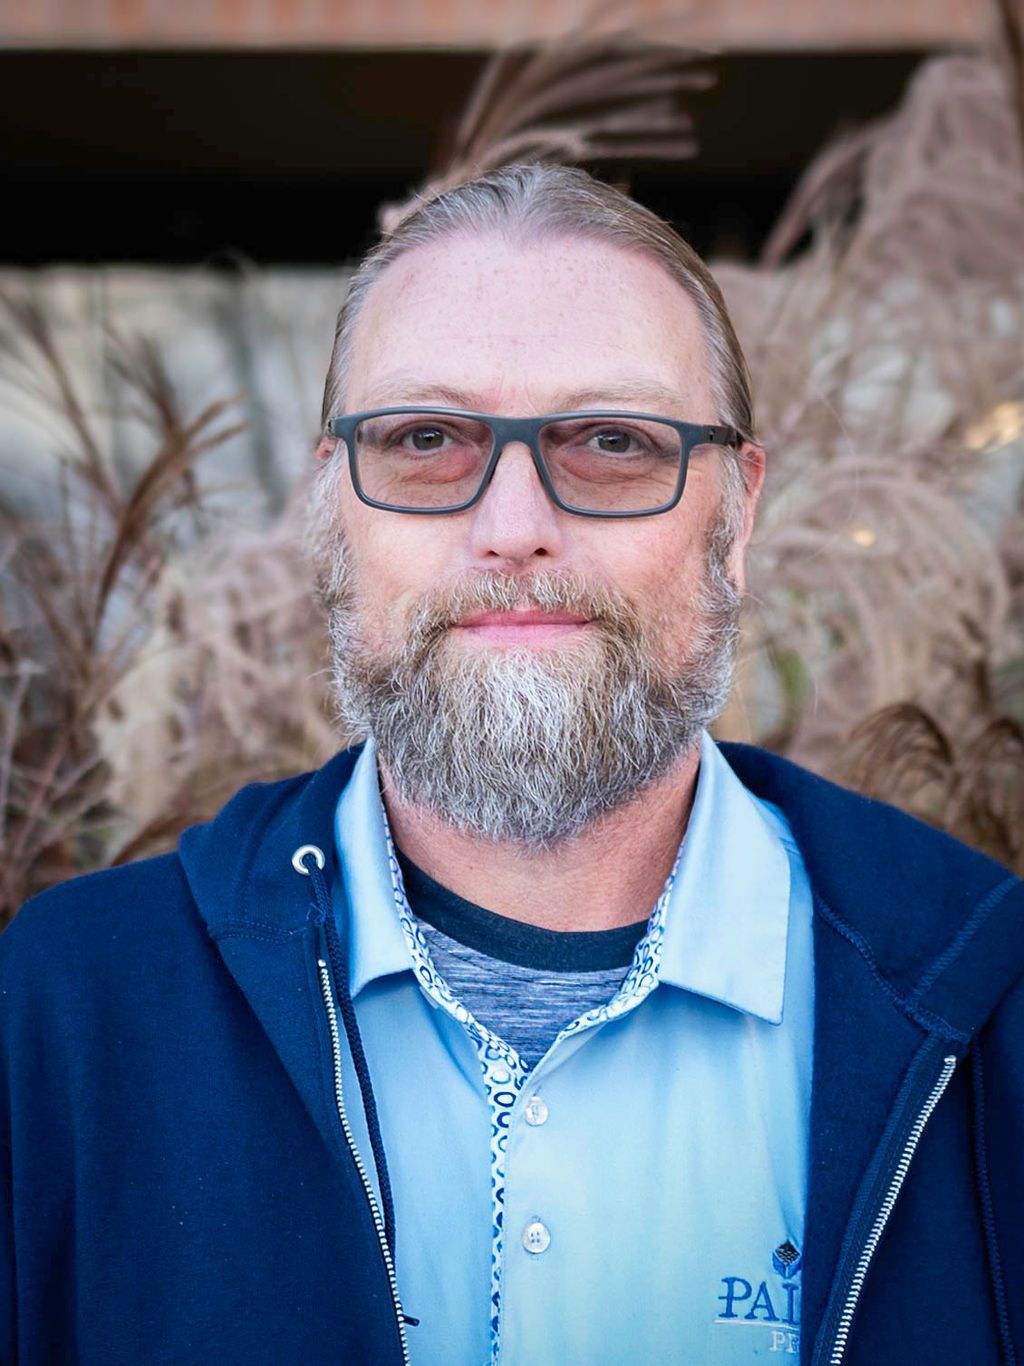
339,1097
885,1209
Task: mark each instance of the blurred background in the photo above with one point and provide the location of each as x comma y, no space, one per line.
186,187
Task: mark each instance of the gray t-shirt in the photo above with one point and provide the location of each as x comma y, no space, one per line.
525,984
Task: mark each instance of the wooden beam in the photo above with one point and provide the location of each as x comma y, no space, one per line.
751,25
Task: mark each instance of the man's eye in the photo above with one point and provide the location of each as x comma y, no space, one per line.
426,439
613,441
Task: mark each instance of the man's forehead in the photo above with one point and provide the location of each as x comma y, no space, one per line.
481,269
557,325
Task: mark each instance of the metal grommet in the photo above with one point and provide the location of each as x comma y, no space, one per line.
303,852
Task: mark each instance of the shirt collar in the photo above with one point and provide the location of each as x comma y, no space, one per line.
727,917
377,945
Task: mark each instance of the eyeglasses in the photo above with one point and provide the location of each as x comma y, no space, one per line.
595,464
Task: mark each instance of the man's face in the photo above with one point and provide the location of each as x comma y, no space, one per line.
517,330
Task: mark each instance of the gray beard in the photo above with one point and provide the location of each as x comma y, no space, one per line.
530,747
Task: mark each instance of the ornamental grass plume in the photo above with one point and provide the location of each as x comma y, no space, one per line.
77,590
884,330
971,787
611,90
228,687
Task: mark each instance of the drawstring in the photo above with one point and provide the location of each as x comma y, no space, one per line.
311,864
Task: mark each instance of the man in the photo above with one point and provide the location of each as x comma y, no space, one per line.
494,1039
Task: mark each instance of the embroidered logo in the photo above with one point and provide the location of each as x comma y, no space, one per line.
772,1305
786,1260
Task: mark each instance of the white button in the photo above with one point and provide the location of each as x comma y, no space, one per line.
536,1237
536,1111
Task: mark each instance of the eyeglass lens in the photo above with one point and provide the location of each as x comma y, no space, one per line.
595,464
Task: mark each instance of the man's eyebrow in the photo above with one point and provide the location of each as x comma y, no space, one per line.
632,394
402,392
627,393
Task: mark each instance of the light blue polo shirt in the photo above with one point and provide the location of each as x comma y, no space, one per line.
639,1194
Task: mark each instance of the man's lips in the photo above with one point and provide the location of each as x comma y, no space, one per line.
526,617
528,626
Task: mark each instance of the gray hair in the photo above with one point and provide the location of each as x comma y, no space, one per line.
538,201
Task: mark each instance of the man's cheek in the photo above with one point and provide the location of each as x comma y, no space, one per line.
386,621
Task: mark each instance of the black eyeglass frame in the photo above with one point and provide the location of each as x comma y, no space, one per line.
527,431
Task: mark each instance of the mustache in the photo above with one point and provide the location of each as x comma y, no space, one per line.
553,591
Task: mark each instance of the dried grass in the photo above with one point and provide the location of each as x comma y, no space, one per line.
612,90
969,787
228,688
884,330
75,607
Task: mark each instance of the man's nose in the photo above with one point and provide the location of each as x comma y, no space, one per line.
515,520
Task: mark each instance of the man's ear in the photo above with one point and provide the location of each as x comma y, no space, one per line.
325,448
752,463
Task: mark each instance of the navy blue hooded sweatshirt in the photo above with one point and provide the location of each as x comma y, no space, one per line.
176,1183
